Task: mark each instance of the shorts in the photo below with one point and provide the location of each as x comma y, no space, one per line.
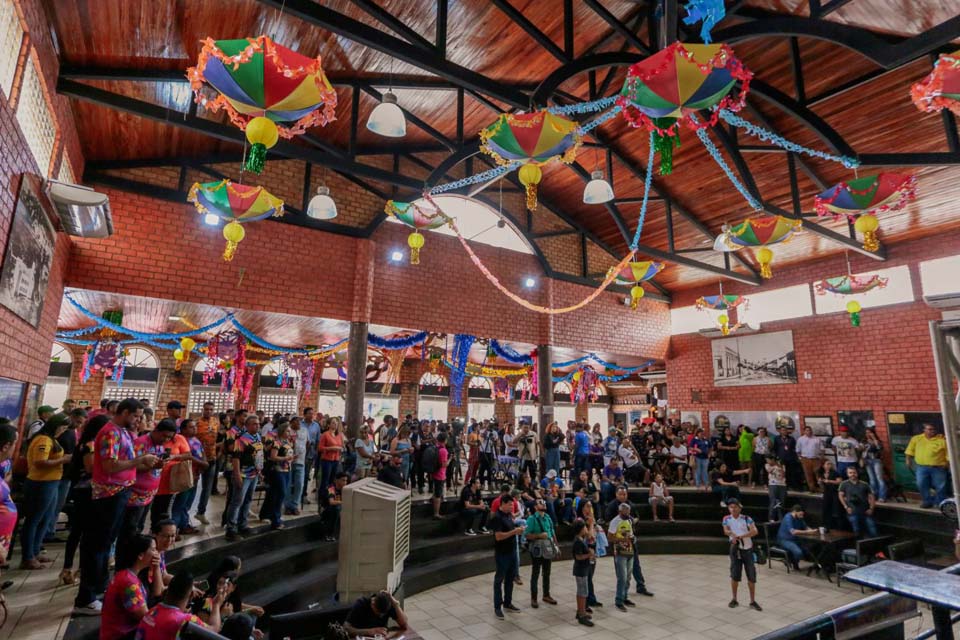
741,559
583,586
660,501
437,487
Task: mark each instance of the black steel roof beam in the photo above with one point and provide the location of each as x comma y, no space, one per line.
343,25
555,233
796,63
225,132
531,29
830,7
393,23
441,31
619,26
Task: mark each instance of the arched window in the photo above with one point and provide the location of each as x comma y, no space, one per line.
562,387
481,403
523,384
434,397
272,396
56,389
479,382
140,376
432,380
210,392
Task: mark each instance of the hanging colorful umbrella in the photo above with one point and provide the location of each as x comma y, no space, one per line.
635,273
850,285
760,232
236,203
941,88
670,86
418,218
533,139
862,198
260,83
723,303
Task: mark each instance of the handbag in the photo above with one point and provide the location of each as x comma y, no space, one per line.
181,476
546,549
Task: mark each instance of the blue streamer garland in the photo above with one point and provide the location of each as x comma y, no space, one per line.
509,354
715,153
596,122
104,323
584,107
485,176
403,342
461,352
647,184
769,136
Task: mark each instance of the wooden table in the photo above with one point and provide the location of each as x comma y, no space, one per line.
822,544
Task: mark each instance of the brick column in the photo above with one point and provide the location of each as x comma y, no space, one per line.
580,412
409,388
545,413
504,411
90,392
356,377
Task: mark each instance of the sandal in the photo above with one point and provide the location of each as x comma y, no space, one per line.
67,578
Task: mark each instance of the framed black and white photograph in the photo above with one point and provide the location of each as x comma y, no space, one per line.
693,417
762,358
29,254
822,425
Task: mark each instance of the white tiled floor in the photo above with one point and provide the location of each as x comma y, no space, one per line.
691,599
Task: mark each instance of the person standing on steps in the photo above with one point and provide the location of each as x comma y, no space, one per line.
612,510
544,549
622,540
741,530
505,532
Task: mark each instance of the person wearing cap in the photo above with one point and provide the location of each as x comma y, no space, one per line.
174,410
45,460
793,523
847,448
544,549
741,530
927,456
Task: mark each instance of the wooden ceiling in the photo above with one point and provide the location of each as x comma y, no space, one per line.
847,64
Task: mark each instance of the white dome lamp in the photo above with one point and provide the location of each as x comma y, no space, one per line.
322,206
598,190
722,243
387,119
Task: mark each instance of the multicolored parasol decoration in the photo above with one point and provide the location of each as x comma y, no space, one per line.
238,204
762,232
667,88
531,140
850,285
941,88
723,303
417,218
636,272
862,198
260,83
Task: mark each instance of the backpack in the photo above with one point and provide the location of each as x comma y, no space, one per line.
430,461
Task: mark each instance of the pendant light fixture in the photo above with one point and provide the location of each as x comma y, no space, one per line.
322,206
387,119
598,190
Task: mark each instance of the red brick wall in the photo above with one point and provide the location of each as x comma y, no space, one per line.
25,353
884,365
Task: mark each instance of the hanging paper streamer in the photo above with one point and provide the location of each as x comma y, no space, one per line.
766,135
708,12
401,342
461,353
941,89
507,353
502,389
584,385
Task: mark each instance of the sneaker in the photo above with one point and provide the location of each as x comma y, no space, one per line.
202,519
534,604
629,602
498,613
484,530
589,611
510,607
469,532
755,606
733,604
549,600
230,535
92,609
596,604
585,621
620,607
644,592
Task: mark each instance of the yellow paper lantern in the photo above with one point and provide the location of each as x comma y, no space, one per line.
765,257
530,176
415,241
724,321
636,292
262,133
233,233
853,308
187,344
868,224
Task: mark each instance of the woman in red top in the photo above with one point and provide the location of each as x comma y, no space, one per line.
330,448
166,620
125,602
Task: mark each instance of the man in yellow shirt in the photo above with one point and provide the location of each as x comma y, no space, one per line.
927,456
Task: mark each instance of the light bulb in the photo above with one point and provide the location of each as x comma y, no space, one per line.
598,190
211,219
396,256
529,283
322,206
387,119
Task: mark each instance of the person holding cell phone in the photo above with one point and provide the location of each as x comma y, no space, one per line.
370,616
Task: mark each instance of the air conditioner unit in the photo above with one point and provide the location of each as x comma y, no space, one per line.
744,329
83,212
943,301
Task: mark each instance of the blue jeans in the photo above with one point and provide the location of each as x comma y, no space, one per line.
638,572
62,491
40,498
503,579
700,475
328,469
565,506
861,521
552,457
932,478
103,527
581,462
295,491
622,566
793,550
608,491
180,511
209,479
239,508
875,472
276,492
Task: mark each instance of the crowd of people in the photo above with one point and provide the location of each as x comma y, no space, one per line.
121,463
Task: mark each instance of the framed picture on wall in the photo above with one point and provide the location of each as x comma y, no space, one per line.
693,417
822,426
762,358
856,422
11,399
29,255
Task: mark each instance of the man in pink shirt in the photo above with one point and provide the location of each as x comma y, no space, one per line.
147,482
114,471
439,476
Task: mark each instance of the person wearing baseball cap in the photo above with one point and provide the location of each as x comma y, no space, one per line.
174,409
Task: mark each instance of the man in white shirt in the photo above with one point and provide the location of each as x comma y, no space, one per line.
846,447
301,438
810,450
740,529
633,469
